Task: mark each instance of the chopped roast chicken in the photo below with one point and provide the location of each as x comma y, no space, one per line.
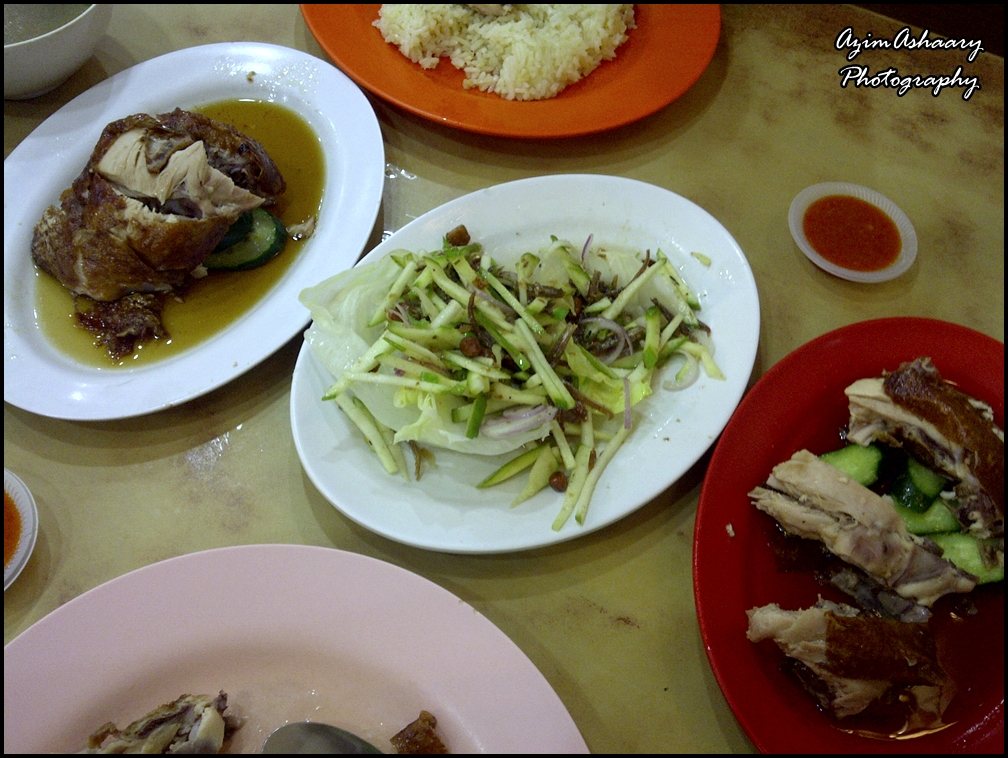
812,499
941,426
848,661
190,724
155,198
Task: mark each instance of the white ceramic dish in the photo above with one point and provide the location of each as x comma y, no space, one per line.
38,65
25,504
37,377
444,511
290,633
908,236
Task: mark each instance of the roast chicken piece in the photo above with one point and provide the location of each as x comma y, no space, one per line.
153,201
190,724
848,661
942,427
812,499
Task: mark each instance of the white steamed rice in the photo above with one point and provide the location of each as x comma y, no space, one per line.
528,52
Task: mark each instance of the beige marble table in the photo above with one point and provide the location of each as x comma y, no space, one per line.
609,618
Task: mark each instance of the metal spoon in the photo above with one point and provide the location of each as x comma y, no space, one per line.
313,737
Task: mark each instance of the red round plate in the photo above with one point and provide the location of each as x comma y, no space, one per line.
661,59
800,403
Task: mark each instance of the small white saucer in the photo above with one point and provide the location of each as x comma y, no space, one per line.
908,237
25,504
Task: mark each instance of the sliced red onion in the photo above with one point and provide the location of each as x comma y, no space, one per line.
626,403
504,426
615,328
584,250
702,337
400,311
692,372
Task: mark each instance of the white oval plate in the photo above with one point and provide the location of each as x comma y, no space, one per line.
291,633
908,236
39,378
444,511
25,504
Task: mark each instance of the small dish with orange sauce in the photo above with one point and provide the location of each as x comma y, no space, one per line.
852,232
20,527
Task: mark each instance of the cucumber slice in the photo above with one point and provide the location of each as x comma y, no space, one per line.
859,463
236,232
266,238
964,550
917,486
937,518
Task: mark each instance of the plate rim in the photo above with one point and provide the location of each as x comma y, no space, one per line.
25,503
20,666
550,124
708,527
452,209
89,393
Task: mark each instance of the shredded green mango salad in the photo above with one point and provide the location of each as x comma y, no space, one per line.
545,359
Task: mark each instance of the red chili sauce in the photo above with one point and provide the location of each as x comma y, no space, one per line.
11,528
852,233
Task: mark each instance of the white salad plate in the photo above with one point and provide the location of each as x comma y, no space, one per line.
444,510
290,633
39,378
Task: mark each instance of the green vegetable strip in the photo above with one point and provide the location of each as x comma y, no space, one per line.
687,294
566,454
706,359
412,348
450,315
476,417
460,294
363,420
584,497
539,475
561,398
652,336
433,338
670,328
512,468
629,291
471,364
516,354
405,381
516,396
410,367
578,475
511,300
365,363
404,278
388,436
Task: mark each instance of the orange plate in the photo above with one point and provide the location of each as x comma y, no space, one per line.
663,57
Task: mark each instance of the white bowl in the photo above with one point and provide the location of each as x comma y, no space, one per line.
40,64
25,504
908,237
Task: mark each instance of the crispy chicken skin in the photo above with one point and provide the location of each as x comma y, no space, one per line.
812,499
847,660
946,429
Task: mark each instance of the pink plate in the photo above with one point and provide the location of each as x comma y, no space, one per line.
291,633
800,403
